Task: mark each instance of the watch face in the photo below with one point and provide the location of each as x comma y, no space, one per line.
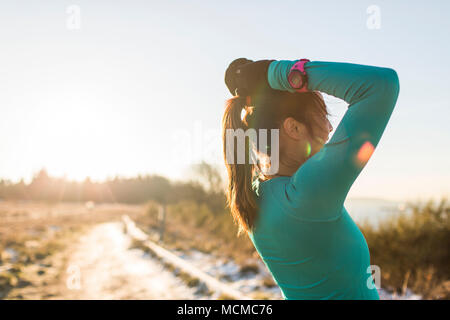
295,79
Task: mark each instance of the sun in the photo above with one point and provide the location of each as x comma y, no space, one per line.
76,137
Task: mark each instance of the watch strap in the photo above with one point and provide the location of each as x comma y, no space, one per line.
299,66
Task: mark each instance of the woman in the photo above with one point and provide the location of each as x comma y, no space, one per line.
296,217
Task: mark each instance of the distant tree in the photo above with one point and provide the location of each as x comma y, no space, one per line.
209,176
40,186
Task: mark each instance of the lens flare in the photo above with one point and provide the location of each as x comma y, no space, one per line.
308,149
364,153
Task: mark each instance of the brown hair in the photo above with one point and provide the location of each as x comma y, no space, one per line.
267,111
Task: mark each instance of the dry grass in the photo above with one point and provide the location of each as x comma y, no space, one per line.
412,250
31,236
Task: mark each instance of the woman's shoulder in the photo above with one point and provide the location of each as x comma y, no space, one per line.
265,187
274,194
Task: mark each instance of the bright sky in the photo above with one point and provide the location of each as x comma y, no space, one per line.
137,86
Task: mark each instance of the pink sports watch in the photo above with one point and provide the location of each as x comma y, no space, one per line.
297,76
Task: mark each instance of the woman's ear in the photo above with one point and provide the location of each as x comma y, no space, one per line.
294,129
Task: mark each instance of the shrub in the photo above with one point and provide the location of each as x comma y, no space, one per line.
412,248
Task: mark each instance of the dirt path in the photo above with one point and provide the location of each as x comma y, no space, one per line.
102,266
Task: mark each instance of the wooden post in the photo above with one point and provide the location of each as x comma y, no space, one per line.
162,221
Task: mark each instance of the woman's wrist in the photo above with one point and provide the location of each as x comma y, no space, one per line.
277,74
297,77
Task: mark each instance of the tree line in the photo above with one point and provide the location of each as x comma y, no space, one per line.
135,190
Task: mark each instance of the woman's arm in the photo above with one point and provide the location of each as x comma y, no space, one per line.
371,92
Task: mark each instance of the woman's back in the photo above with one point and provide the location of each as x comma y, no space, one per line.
310,259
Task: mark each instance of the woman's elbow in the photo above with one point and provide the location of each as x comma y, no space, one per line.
390,82
385,85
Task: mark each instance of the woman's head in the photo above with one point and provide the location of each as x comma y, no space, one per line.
302,120
303,130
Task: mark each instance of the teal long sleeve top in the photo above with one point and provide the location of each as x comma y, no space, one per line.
303,232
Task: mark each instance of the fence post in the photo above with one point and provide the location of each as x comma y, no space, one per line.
162,221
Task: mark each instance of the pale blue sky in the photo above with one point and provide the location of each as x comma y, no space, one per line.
139,87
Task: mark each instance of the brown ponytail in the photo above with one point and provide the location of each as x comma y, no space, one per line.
240,196
268,111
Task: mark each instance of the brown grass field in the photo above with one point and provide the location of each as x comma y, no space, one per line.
35,239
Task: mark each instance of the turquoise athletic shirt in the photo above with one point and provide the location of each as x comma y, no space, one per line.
303,233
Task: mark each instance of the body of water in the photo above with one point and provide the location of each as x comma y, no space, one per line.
373,210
